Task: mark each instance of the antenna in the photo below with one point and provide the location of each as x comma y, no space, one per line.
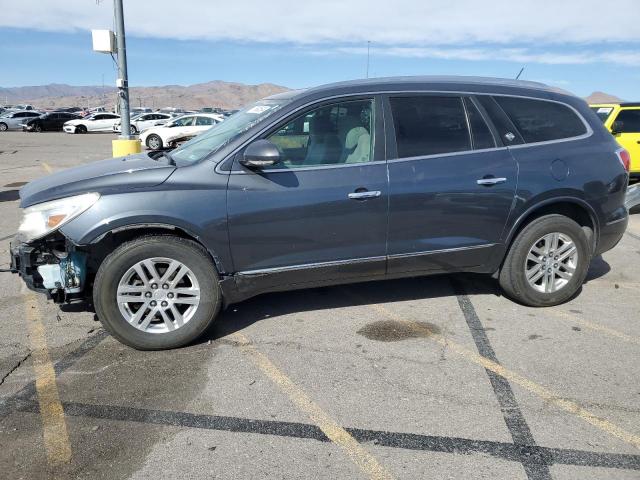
520,72
368,51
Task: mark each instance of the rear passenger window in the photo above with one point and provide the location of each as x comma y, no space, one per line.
428,125
541,121
480,132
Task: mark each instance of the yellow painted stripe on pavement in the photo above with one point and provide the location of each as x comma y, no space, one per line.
338,435
46,166
56,438
533,387
569,318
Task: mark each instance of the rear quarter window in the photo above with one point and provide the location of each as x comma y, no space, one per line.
540,120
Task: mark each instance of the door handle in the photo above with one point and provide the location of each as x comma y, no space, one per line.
365,194
490,181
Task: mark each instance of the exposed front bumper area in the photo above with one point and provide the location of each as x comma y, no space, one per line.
49,268
24,263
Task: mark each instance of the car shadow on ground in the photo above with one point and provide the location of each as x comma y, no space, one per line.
272,305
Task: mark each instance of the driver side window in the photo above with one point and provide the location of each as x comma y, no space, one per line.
339,133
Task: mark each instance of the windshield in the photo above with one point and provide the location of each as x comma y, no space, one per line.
602,112
216,137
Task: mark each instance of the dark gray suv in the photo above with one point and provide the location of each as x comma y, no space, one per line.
354,181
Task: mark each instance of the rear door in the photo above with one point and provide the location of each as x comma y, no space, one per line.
321,214
626,129
452,184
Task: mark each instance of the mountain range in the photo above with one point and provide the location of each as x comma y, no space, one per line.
211,94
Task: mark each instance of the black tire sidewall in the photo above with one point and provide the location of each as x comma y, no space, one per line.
513,276
150,138
115,266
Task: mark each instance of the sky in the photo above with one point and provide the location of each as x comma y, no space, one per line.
579,45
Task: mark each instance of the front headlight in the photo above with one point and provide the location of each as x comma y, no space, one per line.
42,219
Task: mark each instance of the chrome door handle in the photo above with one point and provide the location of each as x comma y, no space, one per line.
491,181
365,194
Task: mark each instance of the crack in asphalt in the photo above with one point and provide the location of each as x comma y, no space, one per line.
15,367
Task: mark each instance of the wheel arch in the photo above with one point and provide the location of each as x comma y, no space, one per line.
111,239
575,208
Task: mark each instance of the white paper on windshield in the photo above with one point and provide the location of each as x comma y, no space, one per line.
604,109
258,109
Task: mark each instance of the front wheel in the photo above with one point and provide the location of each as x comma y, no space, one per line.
547,262
3,127
81,129
157,292
38,128
134,130
154,142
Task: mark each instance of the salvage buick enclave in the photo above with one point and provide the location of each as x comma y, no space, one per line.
355,181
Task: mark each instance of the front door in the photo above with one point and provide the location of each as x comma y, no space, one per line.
626,129
451,187
320,215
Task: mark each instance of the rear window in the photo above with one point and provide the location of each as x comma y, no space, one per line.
429,125
602,112
541,121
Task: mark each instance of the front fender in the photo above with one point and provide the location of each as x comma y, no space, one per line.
199,213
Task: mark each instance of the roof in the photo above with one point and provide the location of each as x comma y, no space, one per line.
453,83
615,104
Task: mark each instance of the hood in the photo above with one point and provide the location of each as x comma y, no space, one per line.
107,176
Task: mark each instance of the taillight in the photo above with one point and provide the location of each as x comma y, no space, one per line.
625,158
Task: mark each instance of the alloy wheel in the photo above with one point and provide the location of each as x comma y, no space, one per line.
551,262
158,295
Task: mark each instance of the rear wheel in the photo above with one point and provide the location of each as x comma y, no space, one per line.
157,292
154,142
81,129
547,262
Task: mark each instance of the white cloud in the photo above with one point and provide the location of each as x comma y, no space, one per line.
519,55
397,22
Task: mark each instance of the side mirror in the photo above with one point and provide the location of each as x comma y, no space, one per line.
617,127
260,154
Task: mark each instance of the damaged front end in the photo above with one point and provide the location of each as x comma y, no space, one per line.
53,266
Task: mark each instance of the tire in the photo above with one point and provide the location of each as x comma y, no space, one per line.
154,142
519,266
134,130
3,127
38,128
81,129
117,273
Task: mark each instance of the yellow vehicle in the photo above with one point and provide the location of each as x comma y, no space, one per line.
623,121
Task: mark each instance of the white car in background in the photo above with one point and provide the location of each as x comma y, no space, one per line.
97,122
143,121
182,127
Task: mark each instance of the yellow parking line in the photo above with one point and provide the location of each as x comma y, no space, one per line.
329,427
518,379
46,166
56,438
569,318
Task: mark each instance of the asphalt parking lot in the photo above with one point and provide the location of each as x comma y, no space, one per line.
437,377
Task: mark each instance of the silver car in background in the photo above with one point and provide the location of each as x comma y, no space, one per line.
14,120
143,121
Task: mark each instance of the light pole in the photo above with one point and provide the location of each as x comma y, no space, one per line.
123,80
